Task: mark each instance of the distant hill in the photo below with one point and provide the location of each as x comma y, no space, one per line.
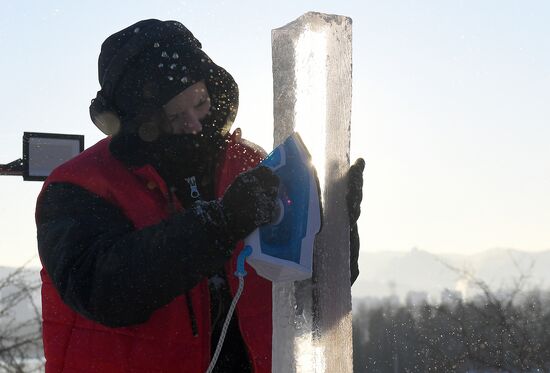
398,273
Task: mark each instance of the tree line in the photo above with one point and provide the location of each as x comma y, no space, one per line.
504,331
20,322
494,331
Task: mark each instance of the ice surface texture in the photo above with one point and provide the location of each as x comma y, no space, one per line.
312,94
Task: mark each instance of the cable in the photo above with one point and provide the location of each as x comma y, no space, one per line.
240,273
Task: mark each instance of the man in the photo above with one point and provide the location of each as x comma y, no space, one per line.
139,234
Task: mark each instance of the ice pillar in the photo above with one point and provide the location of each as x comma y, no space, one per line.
312,95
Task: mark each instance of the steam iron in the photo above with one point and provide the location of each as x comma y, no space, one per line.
283,250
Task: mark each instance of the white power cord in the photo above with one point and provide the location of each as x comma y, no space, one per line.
240,273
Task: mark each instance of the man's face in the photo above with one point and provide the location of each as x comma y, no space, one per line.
186,110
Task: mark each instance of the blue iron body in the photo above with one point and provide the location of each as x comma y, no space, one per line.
283,250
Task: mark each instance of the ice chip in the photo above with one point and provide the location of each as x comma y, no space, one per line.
164,54
184,79
169,77
173,66
175,55
156,45
161,65
136,30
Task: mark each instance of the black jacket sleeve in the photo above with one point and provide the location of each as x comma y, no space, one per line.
116,275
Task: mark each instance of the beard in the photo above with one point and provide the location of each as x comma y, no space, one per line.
177,157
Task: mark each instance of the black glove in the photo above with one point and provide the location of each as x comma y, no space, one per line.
250,201
354,198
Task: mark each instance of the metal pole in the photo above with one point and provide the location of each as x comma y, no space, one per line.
14,168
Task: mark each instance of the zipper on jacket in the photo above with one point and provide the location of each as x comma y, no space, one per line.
192,316
192,181
194,195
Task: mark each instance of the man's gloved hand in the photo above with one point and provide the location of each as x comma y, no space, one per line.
354,198
250,201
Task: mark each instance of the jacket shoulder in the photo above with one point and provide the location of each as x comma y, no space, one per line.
89,159
95,169
240,155
246,151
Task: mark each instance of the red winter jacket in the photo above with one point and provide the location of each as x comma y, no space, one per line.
165,342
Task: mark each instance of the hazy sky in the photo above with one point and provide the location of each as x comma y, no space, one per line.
450,110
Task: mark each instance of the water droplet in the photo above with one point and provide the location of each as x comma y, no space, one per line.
161,65
211,70
136,30
184,80
164,54
202,60
170,77
175,56
156,45
173,66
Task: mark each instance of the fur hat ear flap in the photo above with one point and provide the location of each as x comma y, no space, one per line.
104,116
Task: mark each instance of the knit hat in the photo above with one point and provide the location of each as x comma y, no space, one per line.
143,66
